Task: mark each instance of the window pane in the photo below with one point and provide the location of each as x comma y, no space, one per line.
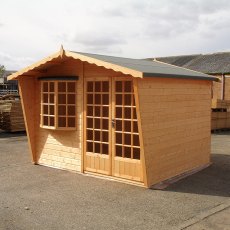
127,152
97,148
118,151
135,128
128,86
127,113
90,86
105,99
118,86
45,98
89,135
105,86
62,110
89,99
118,112
118,138
90,123
61,86
62,99
127,139
89,110
97,110
66,107
105,111
134,113
45,109
51,98
51,112
51,87
105,136
105,149
45,120
71,110
97,86
119,99
45,86
136,140
97,135
51,121
71,122
97,99
136,153
128,99
97,122
61,122
71,98
71,86
118,125
127,126
105,124
89,147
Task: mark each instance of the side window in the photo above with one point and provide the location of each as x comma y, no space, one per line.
58,104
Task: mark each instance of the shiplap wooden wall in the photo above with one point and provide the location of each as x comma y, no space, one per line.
227,87
217,88
55,148
175,117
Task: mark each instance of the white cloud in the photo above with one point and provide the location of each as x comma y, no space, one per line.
30,30
14,63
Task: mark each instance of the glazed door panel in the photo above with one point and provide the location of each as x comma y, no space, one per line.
97,121
126,146
111,134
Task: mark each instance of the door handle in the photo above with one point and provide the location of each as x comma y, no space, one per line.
113,123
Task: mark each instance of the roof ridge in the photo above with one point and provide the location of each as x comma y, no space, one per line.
174,56
84,53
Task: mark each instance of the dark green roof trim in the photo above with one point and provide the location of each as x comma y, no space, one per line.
194,77
59,78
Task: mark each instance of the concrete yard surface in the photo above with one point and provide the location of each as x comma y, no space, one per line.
37,197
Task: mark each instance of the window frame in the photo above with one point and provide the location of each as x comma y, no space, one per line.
56,116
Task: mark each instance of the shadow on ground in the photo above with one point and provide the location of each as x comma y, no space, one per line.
214,180
4,134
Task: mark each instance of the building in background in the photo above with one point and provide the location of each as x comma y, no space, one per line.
8,87
217,64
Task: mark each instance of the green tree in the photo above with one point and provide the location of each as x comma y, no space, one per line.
2,70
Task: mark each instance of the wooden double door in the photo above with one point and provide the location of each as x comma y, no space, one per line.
112,145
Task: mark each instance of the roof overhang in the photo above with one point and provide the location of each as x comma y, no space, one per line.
211,78
62,56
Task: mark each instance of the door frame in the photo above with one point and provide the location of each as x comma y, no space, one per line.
114,157
111,131
94,79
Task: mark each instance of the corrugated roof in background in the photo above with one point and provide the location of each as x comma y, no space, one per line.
215,63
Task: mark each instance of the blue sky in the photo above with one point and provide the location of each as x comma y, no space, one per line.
31,30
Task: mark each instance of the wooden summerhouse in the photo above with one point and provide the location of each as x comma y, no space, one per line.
133,120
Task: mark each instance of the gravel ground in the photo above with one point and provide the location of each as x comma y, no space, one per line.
37,197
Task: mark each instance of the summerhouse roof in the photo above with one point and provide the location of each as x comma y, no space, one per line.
214,63
135,67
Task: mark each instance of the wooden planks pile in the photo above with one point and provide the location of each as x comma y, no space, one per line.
220,114
11,116
220,104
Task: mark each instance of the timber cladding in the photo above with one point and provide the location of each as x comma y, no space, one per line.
175,119
123,125
57,148
217,88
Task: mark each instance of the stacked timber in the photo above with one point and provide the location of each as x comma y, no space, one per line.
11,116
220,114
